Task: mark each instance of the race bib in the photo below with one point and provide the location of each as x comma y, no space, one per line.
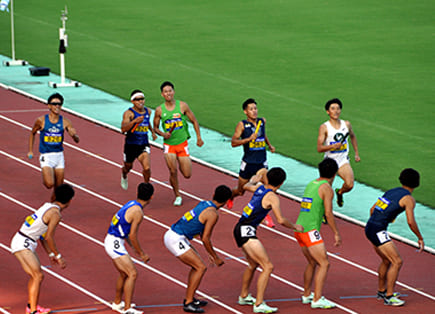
314,236
383,236
248,231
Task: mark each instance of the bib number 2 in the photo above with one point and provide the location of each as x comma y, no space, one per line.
248,231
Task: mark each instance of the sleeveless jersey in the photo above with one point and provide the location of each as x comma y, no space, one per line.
312,207
335,136
387,207
33,226
139,136
176,119
254,152
119,227
51,136
189,225
254,213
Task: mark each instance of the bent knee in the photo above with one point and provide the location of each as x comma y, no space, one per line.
268,267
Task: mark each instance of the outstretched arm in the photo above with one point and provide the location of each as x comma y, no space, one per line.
409,203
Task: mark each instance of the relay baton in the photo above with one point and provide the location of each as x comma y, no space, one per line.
257,128
134,127
172,128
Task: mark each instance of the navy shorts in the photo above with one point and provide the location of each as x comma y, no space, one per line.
377,234
248,170
132,151
242,233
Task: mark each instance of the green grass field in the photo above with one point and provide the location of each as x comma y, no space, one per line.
291,56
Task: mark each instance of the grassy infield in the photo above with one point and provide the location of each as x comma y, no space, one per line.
292,56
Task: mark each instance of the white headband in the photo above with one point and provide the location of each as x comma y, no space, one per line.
136,95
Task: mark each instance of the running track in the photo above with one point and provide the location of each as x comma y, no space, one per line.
87,284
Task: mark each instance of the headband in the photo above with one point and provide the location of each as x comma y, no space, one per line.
136,95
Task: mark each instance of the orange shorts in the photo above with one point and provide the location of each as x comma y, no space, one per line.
181,150
309,238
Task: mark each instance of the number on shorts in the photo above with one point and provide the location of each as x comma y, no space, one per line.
181,246
383,236
247,231
116,244
26,243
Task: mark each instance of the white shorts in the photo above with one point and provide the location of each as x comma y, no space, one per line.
114,246
176,244
341,159
52,160
21,242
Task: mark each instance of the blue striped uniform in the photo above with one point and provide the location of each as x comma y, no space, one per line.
51,136
140,134
254,152
189,225
254,213
119,227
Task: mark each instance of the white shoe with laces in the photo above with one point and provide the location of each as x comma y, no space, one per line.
124,183
307,300
132,311
120,306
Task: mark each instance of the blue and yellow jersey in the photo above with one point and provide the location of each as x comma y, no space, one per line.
254,151
254,213
138,135
51,136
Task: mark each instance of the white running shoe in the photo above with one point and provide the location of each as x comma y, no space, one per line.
178,201
248,300
322,303
132,311
124,183
307,300
264,308
120,306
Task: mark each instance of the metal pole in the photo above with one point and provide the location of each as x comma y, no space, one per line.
12,30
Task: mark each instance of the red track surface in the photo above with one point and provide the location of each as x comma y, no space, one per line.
351,282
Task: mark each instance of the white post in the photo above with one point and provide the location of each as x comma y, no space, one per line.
13,62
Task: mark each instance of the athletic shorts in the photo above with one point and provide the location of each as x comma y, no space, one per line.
176,243
377,235
248,170
310,238
133,151
242,233
52,160
22,242
181,150
114,246
340,159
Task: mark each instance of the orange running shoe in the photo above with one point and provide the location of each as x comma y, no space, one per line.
269,222
230,204
39,310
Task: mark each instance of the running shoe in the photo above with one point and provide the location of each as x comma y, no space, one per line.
200,303
264,308
230,204
124,183
307,300
132,311
269,222
340,201
39,310
382,294
248,300
120,306
178,201
192,307
322,303
394,301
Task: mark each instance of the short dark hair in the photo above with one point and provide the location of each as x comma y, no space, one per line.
276,176
63,193
136,91
145,191
53,96
247,102
166,83
333,101
222,194
410,178
328,167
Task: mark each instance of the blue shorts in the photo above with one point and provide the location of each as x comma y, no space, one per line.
377,234
248,170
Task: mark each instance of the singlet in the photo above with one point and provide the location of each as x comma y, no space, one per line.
335,136
176,119
189,225
312,207
139,135
34,227
51,136
254,213
254,152
119,227
387,207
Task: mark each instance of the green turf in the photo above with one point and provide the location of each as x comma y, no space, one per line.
292,56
